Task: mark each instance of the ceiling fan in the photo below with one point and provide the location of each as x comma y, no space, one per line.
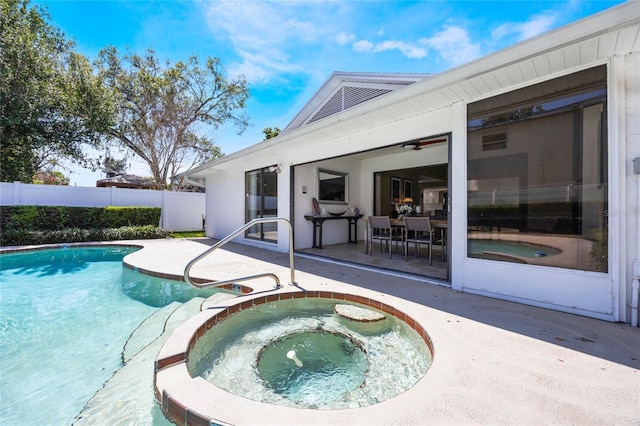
417,145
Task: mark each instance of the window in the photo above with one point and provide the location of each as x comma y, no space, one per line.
261,200
333,187
541,198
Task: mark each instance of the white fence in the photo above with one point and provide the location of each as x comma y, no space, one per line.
181,211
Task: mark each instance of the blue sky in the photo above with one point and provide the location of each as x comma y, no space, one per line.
287,49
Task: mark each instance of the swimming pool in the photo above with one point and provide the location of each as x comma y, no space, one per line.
65,315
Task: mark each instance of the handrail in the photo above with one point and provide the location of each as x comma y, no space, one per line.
230,237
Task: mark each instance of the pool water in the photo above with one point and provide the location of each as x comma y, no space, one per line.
512,248
379,363
65,315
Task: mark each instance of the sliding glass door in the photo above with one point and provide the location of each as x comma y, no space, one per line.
261,201
422,192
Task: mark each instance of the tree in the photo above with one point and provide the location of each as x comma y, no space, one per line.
270,133
113,167
110,165
51,105
510,116
160,107
50,178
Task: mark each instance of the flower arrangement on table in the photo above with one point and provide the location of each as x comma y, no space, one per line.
406,210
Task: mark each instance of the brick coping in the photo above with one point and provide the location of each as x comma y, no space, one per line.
30,248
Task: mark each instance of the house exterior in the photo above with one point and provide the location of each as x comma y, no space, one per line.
126,181
537,144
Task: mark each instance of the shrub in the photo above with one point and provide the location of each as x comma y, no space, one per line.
554,217
76,235
24,225
45,218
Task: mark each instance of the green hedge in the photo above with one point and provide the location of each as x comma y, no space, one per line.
533,210
25,225
22,237
52,218
555,217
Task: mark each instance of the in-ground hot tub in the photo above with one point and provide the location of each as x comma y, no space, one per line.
481,247
309,350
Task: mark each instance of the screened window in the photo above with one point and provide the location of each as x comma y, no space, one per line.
261,201
541,198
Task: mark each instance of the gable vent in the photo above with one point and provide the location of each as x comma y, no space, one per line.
494,142
356,95
347,97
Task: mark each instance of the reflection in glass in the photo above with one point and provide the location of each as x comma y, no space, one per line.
332,187
537,173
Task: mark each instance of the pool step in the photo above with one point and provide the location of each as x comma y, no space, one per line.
129,392
149,330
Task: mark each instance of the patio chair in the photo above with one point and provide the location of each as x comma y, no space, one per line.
417,231
382,230
440,239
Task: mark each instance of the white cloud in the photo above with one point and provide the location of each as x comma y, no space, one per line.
344,38
454,45
261,34
271,39
538,24
363,46
408,50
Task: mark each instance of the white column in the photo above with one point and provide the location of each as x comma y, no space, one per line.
457,202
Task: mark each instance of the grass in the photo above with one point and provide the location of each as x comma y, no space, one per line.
187,234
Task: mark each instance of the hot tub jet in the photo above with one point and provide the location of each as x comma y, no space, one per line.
292,355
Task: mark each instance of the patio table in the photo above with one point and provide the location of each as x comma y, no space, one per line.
318,221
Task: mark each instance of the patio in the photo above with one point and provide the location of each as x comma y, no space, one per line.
496,362
355,254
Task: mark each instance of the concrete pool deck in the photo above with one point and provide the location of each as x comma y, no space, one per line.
496,362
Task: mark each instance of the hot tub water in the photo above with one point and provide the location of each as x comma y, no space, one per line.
343,366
